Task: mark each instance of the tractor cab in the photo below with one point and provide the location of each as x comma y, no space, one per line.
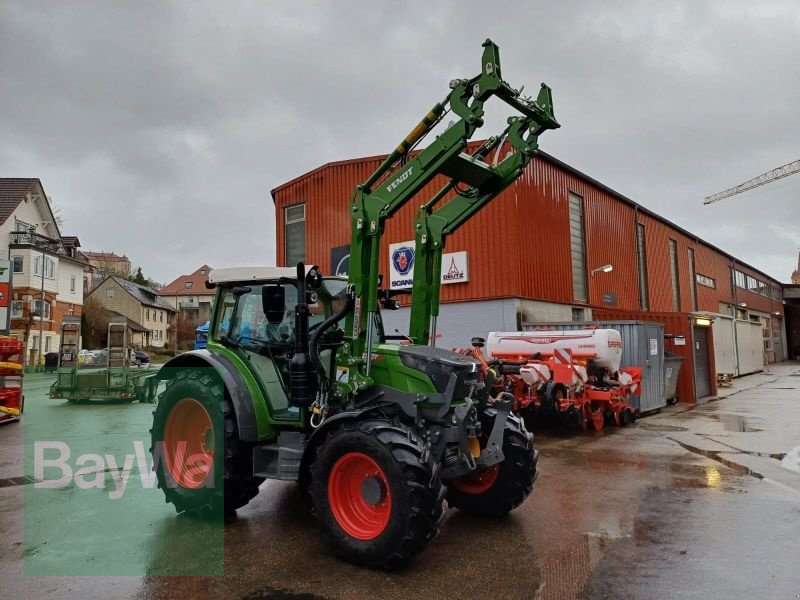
254,319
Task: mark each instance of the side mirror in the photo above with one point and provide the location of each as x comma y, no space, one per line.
273,301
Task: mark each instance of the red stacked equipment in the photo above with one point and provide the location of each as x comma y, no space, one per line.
11,399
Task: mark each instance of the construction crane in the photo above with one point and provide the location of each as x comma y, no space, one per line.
763,179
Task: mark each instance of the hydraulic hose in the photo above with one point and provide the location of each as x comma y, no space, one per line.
313,343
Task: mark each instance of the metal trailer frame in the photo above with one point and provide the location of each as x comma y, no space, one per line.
113,382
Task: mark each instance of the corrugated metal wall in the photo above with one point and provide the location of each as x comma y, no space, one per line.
519,246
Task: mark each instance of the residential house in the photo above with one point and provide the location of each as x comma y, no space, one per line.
73,244
190,297
106,264
149,315
46,267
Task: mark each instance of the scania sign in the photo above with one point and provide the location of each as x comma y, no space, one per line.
401,266
402,258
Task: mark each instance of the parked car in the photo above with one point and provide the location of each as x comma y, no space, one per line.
140,357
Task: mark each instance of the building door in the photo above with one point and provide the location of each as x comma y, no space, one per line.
702,372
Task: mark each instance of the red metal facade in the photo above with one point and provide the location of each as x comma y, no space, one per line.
519,246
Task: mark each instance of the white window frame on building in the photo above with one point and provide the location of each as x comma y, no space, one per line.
20,225
49,267
294,234
17,309
72,283
110,292
18,261
47,309
577,235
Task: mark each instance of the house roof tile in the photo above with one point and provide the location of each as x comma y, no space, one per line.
197,281
145,295
12,191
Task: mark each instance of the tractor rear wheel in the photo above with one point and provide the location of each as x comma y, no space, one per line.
500,488
200,463
377,498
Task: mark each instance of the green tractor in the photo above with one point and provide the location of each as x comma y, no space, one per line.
300,382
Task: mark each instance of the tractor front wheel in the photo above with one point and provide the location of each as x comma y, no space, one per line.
378,500
502,487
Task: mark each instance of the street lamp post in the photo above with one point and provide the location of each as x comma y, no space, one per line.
604,269
41,315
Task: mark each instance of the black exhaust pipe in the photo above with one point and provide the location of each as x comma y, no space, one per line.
302,375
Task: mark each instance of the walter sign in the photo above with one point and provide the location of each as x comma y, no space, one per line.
401,266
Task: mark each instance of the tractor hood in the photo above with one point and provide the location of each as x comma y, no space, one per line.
438,364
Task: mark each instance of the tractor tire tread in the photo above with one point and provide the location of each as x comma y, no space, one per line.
425,492
239,486
517,475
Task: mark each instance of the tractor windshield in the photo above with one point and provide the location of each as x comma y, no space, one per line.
242,319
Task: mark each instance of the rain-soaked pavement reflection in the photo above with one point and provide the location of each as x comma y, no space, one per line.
611,515
662,509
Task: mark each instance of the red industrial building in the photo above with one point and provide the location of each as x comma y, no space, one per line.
536,255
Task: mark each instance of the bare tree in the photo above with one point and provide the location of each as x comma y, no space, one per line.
94,323
57,215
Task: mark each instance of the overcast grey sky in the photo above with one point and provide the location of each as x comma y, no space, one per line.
160,127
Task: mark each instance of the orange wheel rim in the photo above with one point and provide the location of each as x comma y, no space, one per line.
598,419
476,483
359,496
189,443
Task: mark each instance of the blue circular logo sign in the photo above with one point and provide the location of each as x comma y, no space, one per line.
403,259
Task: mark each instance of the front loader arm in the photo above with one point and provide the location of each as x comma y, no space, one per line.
398,180
433,226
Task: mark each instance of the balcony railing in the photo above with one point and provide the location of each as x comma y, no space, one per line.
28,238
189,304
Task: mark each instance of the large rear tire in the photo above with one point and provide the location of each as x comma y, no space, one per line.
503,487
204,469
376,495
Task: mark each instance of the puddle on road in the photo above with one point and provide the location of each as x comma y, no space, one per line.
736,423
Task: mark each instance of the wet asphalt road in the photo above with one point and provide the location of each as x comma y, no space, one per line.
624,513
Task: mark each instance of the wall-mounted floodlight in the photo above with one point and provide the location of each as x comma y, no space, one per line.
603,269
